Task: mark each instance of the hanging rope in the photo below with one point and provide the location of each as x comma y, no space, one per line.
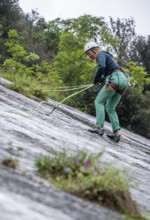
68,97
59,103
64,89
76,86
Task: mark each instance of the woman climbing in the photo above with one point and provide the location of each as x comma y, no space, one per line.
110,94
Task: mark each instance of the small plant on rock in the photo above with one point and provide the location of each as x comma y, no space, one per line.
81,174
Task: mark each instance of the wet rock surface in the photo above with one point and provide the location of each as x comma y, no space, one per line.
24,136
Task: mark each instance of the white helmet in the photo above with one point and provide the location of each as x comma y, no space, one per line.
90,45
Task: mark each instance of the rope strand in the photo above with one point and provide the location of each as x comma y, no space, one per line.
65,89
59,103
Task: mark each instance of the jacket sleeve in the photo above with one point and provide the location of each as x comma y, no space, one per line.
101,59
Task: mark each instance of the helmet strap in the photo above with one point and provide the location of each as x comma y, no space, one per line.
93,51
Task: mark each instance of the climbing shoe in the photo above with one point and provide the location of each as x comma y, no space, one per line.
114,137
96,131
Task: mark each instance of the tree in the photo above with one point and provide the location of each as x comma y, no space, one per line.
138,74
10,14
140,52
47,35
70,62
124,30
134,111
89,27
10,17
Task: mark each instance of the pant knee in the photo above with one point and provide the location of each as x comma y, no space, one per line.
110,110
98,102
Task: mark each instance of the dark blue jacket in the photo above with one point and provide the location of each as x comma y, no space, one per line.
106,65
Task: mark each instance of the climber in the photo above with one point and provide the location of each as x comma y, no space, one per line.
115,84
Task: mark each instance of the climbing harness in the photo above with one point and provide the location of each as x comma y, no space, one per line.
109,84
114,86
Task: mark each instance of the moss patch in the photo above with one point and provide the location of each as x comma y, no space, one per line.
9,162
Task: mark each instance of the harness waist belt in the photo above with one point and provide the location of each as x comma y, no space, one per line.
116,70
115,87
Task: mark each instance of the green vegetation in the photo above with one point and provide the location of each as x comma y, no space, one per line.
29,78
82,175
10,162
138,74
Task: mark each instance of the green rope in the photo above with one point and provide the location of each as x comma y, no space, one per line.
36,109
70,96
59,103
65,89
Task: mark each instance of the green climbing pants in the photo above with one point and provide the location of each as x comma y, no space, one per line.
111,98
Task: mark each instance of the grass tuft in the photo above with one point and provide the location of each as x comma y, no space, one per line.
81,174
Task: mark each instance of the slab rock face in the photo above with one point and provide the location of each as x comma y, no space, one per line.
25,134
